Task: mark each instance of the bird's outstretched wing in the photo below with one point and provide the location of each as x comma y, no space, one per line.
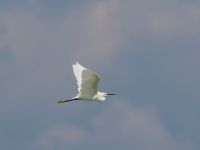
87,81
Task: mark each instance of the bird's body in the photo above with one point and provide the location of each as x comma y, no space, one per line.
87,81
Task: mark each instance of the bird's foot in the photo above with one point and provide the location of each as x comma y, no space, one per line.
62,101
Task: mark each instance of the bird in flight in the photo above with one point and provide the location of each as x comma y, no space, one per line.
87,82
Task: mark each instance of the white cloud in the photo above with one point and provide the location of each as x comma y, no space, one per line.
61,135
135,128
87,33
102,35
119,126
175,22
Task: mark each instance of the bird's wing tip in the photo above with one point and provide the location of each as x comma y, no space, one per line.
76,63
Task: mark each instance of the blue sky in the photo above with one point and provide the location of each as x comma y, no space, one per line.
146,51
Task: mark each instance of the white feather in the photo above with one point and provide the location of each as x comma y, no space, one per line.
87,81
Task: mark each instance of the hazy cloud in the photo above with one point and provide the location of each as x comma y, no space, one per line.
145,51
60,136
118,126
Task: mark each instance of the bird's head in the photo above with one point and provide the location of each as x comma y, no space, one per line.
102,98
102,95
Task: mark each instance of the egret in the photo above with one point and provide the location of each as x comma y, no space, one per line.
87,82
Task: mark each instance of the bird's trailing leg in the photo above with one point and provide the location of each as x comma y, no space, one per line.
67,100
110,94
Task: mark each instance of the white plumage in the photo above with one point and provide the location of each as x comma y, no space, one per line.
87,82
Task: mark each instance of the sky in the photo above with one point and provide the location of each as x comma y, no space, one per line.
145,51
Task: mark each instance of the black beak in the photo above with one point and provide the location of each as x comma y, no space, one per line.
111,94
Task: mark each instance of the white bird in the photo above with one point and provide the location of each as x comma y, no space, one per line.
87,81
